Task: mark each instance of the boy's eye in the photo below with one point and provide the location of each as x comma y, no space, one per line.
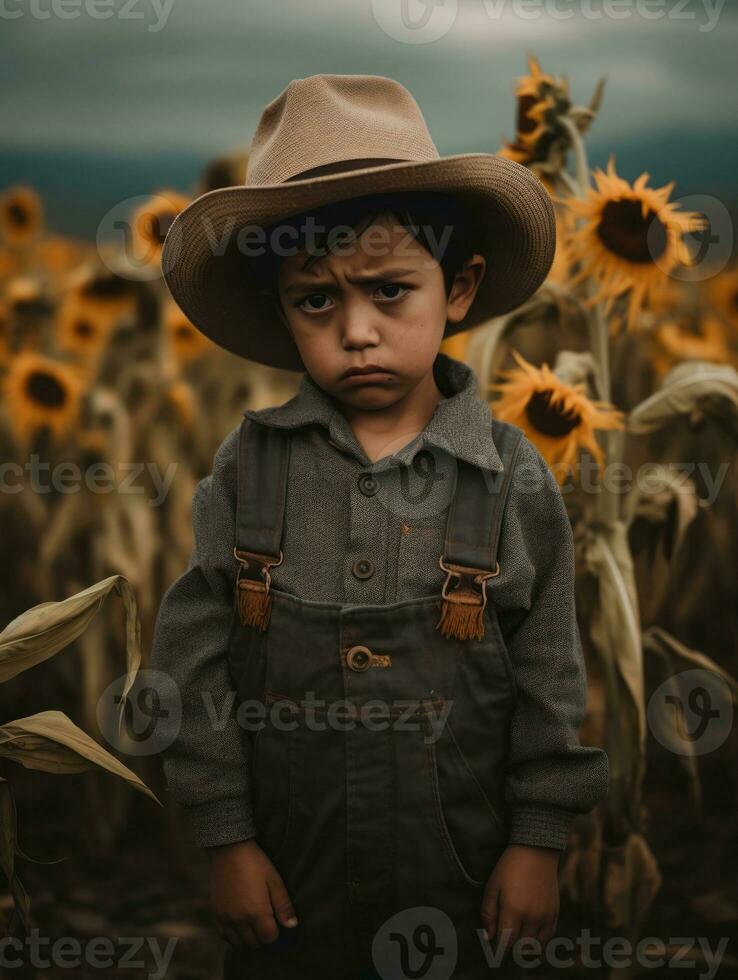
314,297
319,302
393,285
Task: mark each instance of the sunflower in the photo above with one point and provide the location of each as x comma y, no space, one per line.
41,393
722,294
89,311
151,222
10,264
541,98
224,171
56,254
559,418
21,215
560,271
631,240
673,343
80,327
111,294
4,333
26,299
184,340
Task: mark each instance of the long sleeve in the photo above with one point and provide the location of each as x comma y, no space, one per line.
205,765
551,777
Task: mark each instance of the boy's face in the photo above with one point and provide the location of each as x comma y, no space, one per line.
379,300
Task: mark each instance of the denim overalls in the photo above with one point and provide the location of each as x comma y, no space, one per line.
378,771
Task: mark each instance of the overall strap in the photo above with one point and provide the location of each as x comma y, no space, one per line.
263,466
472,537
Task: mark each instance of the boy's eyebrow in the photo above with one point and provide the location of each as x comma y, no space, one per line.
369,278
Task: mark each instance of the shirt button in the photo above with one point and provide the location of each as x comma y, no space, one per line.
363,568
368,484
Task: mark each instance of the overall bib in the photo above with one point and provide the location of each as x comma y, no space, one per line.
378,758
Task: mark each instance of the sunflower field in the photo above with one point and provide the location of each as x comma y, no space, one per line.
622,369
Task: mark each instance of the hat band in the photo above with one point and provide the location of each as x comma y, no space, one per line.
340,166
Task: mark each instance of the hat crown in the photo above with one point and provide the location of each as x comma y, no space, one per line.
324,121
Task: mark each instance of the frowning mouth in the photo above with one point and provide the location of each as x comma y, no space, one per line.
369,371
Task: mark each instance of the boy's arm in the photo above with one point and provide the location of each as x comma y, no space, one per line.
204,762
551,777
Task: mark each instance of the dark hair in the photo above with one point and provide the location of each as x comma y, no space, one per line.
417,211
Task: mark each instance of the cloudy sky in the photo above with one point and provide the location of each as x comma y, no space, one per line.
96,109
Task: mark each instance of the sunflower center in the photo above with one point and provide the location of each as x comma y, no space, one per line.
45,389
107,287
624,231
18,214
550,419
525,104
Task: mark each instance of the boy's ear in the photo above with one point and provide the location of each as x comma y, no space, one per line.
464,289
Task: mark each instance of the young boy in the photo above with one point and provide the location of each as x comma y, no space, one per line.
383,572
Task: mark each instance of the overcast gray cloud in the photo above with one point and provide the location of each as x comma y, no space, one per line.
97,110
200,81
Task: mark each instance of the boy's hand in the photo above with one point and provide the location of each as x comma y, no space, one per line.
246,893
522,895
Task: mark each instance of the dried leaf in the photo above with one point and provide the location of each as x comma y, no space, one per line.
47,628
687,757
690,386
579,877
669,500
616,630
596,101
656,636
7,829
8,851
577,367
630,882
50,741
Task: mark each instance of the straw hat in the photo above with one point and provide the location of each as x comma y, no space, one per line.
327,138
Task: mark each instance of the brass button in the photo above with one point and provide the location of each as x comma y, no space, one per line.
359,658
362,568
368,484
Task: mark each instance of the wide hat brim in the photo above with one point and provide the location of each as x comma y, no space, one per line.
206,270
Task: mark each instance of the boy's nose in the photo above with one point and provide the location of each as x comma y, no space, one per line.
357,321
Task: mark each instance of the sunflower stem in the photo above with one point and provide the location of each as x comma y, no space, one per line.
580,153
568,181
607,501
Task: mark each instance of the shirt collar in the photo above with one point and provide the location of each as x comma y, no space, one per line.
461,423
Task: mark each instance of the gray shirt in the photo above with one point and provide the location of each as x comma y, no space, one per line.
346,540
